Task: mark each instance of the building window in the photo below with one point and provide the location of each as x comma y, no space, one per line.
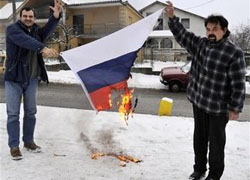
186,22
78,22
166,43
152,43
159,24
43,12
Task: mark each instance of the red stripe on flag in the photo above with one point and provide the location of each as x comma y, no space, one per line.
101,97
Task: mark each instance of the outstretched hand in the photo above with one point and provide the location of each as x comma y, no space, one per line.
57,9
169,9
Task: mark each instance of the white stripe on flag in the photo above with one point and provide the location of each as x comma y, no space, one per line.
128,39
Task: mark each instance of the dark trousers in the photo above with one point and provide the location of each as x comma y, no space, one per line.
209,131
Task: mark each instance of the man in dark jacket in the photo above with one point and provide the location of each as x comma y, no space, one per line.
25,68
216,89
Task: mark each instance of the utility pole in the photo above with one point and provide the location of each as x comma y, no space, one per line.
14,10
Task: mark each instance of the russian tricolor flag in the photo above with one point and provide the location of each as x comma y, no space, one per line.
104,65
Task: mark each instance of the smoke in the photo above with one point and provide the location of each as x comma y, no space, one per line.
88,143
101,140
105,138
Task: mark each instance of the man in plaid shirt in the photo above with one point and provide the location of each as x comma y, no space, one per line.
216,88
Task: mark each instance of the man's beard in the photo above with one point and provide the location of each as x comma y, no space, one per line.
27,24
212,38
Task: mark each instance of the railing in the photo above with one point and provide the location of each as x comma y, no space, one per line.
170,50
88,30
96,29
165,54
2,42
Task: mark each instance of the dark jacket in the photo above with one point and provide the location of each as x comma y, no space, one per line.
217,75
19,41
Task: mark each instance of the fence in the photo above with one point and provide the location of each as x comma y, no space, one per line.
97,29
165,54
2,43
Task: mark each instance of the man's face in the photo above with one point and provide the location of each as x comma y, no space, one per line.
28,18
215,32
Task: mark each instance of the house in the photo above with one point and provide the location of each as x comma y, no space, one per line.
2,3
82,20
162,40
5,19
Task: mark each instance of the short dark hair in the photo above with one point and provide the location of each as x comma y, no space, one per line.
215,19
27,9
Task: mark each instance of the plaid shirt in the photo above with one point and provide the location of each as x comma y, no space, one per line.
217,75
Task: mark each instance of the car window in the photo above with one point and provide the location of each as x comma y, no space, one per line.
186,67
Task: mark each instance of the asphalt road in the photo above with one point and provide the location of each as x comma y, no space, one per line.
72,96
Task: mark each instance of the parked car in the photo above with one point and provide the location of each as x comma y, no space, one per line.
176,78
2,61
248,77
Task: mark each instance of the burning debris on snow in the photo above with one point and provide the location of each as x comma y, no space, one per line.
121,157
107,139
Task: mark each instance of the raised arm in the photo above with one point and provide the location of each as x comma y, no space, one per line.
169,9
57,9
53,20
186,39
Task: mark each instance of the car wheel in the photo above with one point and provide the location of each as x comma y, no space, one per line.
175,87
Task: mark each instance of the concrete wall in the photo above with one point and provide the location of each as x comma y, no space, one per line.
98,15
2,3
109,16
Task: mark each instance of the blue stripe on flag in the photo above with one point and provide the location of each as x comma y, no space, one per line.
107,73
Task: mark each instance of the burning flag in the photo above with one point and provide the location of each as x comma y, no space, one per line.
104,65
125,106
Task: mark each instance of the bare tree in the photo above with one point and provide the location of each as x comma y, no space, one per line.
241,36
65,34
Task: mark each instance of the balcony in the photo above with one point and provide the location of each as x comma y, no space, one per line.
96,30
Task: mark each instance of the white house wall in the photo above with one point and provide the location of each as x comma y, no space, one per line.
196,22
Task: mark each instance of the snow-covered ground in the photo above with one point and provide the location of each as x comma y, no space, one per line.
69,136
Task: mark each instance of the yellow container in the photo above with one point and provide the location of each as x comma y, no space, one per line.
165,108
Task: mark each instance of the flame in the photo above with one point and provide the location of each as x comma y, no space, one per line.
121,157
96,155
125,108
110,101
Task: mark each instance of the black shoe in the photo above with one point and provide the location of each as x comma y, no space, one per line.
32,147
16,153
196,175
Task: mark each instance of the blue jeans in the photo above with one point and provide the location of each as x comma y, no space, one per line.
14,92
